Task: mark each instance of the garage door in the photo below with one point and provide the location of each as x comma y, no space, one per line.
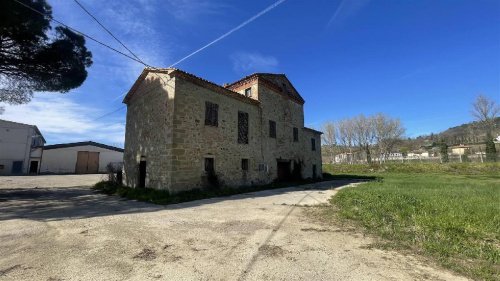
87,162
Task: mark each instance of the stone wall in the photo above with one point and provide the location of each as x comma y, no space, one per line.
166,126
148,132
194,141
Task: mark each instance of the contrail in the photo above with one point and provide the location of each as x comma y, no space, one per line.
266,10
231,31
336,14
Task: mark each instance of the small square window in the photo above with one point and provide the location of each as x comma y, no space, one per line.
248,92
272,129
295,134
244,164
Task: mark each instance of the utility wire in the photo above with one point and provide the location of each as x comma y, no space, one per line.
136,58
79,32
124,46
261,13
109,32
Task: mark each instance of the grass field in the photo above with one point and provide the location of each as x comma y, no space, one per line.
449,213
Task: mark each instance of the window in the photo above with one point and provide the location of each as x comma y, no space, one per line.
211,114
209,165
295,134
262,167
314,171
313,144
272,129
248,92
244,164
242,127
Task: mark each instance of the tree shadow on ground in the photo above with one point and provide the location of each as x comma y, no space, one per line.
52,204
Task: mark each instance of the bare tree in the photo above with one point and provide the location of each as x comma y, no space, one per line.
387,133
485,110
345,135
330,138
364,134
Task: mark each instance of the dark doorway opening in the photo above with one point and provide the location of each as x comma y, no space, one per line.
34,167
314,172
284,173
142,173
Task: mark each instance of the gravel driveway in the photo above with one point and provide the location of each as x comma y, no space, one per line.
61,230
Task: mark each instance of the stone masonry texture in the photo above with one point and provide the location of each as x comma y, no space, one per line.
166,128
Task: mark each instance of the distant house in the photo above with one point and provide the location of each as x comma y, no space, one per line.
80,158
460,149
21,148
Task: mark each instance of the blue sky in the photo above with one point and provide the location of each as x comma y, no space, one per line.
422,61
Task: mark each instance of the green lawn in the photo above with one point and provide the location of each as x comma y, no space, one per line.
453,217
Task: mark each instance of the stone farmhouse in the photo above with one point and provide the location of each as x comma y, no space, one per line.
182,131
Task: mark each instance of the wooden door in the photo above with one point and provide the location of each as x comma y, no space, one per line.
81,162
93,163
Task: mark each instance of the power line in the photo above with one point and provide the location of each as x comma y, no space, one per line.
261,13
79,32
109,32
136,58
109,113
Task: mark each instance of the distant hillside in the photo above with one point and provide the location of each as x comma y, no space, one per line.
464,134
468,133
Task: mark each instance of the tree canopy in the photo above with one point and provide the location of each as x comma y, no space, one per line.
36,57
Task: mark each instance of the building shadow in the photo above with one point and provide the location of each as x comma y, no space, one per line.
52,204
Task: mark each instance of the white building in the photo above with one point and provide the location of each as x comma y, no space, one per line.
80,158
21,148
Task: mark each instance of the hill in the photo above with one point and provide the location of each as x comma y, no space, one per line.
471,132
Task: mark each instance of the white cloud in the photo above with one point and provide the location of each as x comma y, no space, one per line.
62,120
253,62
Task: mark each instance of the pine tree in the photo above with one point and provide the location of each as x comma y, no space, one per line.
491,151
444,152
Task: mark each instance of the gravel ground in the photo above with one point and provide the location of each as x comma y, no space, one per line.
55,228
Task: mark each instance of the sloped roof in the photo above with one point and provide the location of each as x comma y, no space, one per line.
27,125
312,130
83,143
277,82
192,78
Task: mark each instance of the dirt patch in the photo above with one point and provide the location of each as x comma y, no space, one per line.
172,258
271,251
146,254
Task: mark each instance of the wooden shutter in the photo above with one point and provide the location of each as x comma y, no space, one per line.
242,127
